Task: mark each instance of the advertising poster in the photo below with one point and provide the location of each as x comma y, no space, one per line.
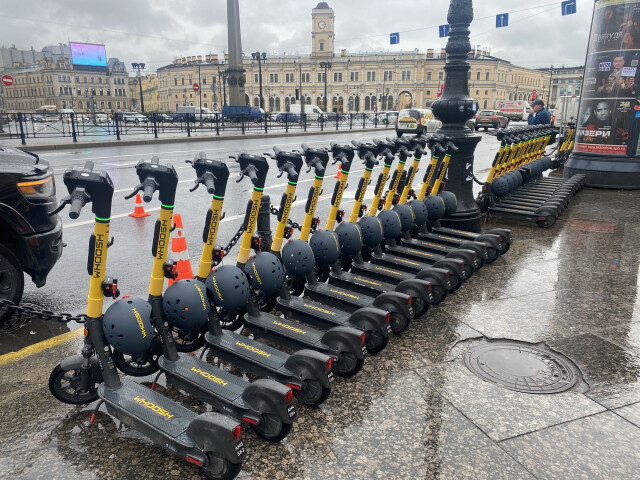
609,97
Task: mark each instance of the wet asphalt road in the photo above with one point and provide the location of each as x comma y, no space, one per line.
130,258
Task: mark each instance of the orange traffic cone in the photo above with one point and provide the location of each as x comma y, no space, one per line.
337,175
179,251
138,211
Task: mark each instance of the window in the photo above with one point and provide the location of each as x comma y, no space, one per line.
256,78
273,77
388,76
99,79
204,81
182,78
337,77
406,75
428,92
93,91
93,80
100,92
321,77
322,46
85,80
371,77
288,78
306,77
486,92
108,92
478,75
354,76
429,75
440,75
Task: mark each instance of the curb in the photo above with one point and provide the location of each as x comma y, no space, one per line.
207,138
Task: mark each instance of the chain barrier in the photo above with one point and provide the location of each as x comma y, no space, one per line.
297,226
23,312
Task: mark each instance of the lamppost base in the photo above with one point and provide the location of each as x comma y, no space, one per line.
460,179
618,173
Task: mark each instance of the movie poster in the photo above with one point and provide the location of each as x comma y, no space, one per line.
609,96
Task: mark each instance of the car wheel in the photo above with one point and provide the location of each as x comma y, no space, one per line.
11,281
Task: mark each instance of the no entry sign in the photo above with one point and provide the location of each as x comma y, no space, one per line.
7,80
196,87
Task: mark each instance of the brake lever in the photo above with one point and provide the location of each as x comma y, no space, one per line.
65,201
242,175
135,190
281,173
195,187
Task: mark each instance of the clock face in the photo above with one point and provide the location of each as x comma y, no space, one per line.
322,24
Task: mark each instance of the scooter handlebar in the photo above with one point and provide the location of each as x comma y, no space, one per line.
77,202
147,191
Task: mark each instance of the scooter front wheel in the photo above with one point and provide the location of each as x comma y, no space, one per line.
272,429
220,468
139,365
188,340
66,386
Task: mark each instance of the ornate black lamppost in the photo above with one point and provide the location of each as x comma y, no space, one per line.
453,109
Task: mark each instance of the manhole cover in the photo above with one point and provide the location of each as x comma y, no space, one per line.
522,368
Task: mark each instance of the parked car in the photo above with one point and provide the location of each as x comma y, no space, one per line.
387,118
30,239
490,118
162,118
133,117
102,118
288,117
416,120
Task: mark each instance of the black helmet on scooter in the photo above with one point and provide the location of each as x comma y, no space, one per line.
298,259
325,246
420,212
450,202
228,287
350,238
186,305
391,224
127,326
435,207
372,232
407,219
266,272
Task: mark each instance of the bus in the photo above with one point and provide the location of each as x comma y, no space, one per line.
47,112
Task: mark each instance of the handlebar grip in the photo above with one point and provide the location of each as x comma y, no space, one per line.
155,160
251,173
148,191
305,147
277,149
77,202
292,173
88,166
209,183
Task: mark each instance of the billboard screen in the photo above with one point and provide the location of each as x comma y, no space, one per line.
88,54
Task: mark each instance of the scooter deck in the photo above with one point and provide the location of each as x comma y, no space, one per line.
313,313
231,344
381,272
348,300
212,380
446,239
146,406
289,333
361,284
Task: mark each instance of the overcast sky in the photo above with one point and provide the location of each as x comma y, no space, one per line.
155,32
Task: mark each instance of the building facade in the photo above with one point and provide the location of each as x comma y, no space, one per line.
355,83
565,82
59,83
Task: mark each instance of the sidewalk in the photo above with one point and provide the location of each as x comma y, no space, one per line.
416,411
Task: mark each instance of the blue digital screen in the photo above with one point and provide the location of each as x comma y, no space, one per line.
88,54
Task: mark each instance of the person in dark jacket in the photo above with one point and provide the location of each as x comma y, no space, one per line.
539,115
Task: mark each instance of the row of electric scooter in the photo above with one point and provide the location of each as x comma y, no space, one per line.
515,186
343,292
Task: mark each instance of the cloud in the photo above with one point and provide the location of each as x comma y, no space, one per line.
155,32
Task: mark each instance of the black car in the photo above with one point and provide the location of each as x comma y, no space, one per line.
30,239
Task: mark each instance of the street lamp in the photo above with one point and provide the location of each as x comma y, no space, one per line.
261,57
549,92
302,102
325,65
138,67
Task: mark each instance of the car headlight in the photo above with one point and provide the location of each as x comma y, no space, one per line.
44,187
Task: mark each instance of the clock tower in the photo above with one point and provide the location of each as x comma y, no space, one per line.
322,31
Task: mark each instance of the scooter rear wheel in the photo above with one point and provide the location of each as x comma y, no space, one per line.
220,468
375,342
347,365
399,323
272,429
313,393
65,386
